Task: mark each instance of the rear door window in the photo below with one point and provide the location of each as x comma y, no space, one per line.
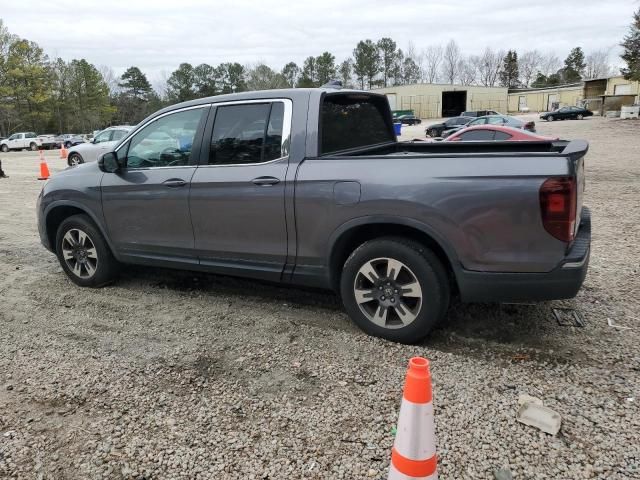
118,135
247,133
477,135
502,136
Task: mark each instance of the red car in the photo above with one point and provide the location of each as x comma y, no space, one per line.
486,133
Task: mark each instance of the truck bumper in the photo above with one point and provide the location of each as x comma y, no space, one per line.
562,282
42,227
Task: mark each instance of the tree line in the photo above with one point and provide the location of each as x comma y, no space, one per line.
53,95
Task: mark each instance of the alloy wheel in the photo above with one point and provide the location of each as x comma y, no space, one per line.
388,293
74,160
79,253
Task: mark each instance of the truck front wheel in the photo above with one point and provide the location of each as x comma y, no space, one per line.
395,288
83,253
5,148
33,147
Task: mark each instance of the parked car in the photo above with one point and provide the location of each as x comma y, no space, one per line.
394,227
20,141
408,120
71,139
486,133
566,113
494,120
436,129
479,113
101,143
50,141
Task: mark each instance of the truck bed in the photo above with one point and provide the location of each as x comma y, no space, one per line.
455,148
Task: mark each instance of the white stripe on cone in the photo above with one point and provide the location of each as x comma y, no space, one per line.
415,437
394,474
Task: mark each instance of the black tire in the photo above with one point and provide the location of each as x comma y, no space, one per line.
418,261
33,147
579,116
67,144
105,266
5,148
74,159
550,118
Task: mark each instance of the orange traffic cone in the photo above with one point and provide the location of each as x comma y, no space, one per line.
413,455
63,152
44,168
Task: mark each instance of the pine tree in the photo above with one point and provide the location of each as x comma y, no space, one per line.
180,85
290,73
366,62
574,66
631,45
388,57
509,73
325,68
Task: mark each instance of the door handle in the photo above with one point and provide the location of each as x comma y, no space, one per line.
265,181
174,182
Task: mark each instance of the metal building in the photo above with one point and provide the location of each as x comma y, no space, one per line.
434,100
545,99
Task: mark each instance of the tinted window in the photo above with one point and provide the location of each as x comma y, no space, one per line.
273,142
477,135
249,133
502,136
454,121
352,121
165,142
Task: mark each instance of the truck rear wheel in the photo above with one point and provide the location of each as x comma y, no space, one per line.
33,147
395,288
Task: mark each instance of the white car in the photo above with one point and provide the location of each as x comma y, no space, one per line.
21,140
103,142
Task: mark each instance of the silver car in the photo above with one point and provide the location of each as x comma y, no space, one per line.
103,142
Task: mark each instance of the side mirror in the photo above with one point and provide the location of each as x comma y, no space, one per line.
109,162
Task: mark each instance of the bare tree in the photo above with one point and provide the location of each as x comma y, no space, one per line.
418,59
550,64
432,58
598,65
467,70
450,61
529,65
489,67
110,78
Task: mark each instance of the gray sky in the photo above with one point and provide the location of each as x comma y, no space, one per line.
157,35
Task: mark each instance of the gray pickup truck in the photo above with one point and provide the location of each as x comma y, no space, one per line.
311,187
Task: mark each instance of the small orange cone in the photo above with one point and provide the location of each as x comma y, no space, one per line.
44,168
413,456
63,153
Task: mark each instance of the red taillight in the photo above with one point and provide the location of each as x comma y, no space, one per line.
558,207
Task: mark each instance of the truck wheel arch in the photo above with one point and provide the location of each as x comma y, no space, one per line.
354,233
58,212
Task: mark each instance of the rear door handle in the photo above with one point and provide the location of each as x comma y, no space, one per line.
265,181
174,182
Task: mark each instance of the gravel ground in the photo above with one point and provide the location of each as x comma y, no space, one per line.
178,375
